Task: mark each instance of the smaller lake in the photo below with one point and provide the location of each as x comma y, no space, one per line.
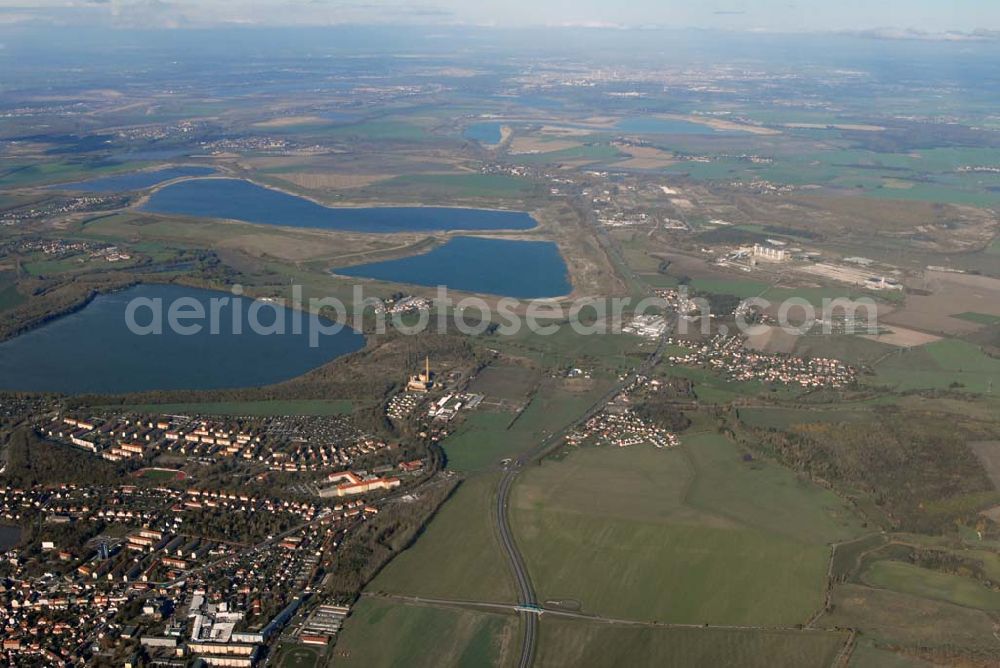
667,126
521,269
236,199
93,349
484,133
133,180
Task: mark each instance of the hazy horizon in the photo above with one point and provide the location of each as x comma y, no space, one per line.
896,19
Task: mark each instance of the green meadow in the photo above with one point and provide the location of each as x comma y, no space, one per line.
694,534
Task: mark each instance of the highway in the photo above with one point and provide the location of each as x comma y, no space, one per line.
525,591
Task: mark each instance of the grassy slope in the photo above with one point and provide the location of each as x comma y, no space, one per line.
926,583
689,537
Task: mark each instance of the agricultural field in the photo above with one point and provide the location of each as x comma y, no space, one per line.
458,556
512,383
482,441
486,437
894,618
769,417
458,185
579,643
946,364
10,296
929,584
565,348
382,633
675,527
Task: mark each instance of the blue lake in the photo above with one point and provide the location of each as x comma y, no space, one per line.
236,199
484,133
521,269
93,350
667,126
133,180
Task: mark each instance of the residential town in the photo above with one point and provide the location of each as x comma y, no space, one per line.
729,356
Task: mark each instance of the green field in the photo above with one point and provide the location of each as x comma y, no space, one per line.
485,439
384,130
981,318
10,297
896,618
62,265
926,583
711,388
768,417
462,185
939,365
482,441
17,176
689,535
581,644
382,633
849,348
587,153
252,408
565,347
458,556
299,656
928,175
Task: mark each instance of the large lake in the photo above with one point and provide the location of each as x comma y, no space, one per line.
522,269
93,350
236,199
133,180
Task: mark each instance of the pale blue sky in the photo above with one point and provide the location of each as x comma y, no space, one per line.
934,16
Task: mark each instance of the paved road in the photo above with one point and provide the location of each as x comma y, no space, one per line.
614,621
526,593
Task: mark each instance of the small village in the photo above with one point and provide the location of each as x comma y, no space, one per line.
729,356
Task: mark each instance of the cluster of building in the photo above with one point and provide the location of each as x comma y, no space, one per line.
164,131
402,405
323,624
647,326
256,144
354,483
284,444
729,356
677,300
156,581
61,206
620,426
447,407
404,304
